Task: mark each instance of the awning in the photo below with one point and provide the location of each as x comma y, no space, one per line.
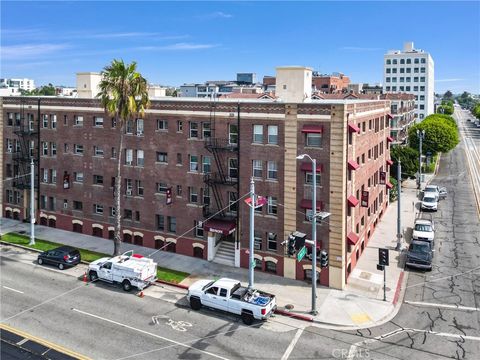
307,204
312,129
352,238
389,185
389,162
219,227
353,165
352,201
389,139
390,116
308,167
353,128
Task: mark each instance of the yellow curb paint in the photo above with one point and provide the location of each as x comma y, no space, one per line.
360,318
44,342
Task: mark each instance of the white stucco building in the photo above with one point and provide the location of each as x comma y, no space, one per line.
13,86
411,71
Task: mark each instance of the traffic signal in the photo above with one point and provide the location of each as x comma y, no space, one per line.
383,257
323,259
291,245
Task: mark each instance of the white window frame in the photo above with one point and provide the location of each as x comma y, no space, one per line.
206,130
98,121
129,157
272,238
232,161
199,232
78,177
309,178
308,140
160,155
139,125
78,149
192,195
140,158
98,151
44,148
272,170
78,120
193,164
272,134
257,169
45,121
258,134
206,164
232,136
54,176
162,125
53,119
98,209
162,188
193,130
272,205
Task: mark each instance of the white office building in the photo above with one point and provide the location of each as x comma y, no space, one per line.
23,84
411,71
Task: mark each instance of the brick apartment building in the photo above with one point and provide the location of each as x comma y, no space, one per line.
187,167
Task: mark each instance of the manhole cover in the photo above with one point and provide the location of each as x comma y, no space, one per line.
289,306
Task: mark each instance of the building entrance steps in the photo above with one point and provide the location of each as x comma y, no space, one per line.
225,254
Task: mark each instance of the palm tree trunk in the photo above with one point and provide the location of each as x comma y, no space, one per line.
118,196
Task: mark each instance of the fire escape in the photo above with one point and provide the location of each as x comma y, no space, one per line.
25,148
223,181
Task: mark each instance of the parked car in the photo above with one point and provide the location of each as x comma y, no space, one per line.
424,230
230,296
419,255
62,257
430,202
432,190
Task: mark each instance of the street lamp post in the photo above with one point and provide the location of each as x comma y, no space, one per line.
421,136
32,203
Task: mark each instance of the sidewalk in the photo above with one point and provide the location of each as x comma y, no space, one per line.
359,305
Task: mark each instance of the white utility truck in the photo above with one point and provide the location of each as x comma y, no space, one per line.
128,269
230,296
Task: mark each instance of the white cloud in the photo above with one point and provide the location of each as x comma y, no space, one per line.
448,80
22,51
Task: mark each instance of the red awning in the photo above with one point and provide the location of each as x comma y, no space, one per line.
308,167
352,238
352,201
353,128
389,139
389,162
312,129
390,116
389,185
307,204
353,165
219,227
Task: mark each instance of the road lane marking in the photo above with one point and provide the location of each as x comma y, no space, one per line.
446,306
148,333
9,288
292,344
443,278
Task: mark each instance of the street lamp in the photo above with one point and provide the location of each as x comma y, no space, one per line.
421,136
322,216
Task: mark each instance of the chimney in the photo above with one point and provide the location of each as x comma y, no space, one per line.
294,84
408,47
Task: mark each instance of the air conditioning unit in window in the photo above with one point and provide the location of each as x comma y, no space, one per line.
139,132
129,162
129,192
257,246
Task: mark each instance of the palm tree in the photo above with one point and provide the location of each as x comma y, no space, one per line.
123,94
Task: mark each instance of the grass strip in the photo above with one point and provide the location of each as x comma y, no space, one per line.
164,274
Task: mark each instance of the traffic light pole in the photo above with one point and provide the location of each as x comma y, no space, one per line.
32,203
384,283
314,238
399,190
251,259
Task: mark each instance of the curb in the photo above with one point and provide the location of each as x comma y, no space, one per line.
399,286
185,287
293,315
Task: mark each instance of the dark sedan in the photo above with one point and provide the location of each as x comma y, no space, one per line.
62,257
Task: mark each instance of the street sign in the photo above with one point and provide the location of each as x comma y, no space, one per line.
301,253
253,264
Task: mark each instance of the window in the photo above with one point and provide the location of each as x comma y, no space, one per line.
232,202
257,169
415,88
394,88
402,61
409,61
179,159
402,79
206,164
162,157
77,205
272,241
424,61
140,128
127,214
179,126
408,79
78,149
422,88
162,187
44,148
78,120
415,79
45,121
53,118
129,127
78,177
272,205
137,215
193,195
422,70
128,187
257,240
113,153
206,196
402,70
273,134
98,121
394,61
388,71
309,178
387,88
233,134
111,211
114,123
162,124
139,187
193,163
233,168
10,119
193,130
258,134
198,229
394,79
51,203
407,88
387,79
98,179
422,107
206,131
44,175
272,170
394,71
53,176
422,79
401,88
416,61
172,224
128,157
98,209
314,139
160,221
270,266
97,151
422,97
389,61
409,70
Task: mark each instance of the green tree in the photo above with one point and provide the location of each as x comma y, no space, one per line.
394,190
441,135
123,94
409,159
448,95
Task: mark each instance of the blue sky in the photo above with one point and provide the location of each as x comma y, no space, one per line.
179,42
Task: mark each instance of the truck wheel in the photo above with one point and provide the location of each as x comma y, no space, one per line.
93,276
126,285
247,318
195,303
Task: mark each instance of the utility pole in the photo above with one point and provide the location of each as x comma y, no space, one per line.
399,190
251,259
32,203
314,238
421,135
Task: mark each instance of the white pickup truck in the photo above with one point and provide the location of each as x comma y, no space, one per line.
230,296
128,269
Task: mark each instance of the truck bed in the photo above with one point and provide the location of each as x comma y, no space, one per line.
254,297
